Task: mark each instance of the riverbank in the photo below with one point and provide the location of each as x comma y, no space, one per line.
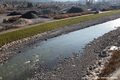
14,47
104,68
74,68
41,28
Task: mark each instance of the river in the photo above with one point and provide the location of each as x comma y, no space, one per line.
18,67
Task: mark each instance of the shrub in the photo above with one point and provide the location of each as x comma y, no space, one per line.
62,16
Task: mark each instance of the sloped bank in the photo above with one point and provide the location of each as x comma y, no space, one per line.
105,66
14,47
74,68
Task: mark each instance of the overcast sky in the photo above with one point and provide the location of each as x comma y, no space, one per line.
51,0
71,0
66,0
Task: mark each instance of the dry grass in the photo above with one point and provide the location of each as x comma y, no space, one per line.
67,15
113,64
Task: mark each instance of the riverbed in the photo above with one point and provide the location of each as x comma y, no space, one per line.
48,51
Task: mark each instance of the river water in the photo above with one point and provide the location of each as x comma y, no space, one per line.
18,68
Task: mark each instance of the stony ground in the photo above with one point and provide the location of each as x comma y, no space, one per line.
74,68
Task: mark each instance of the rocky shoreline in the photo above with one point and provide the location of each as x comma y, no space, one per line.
75,68
94,71
9,50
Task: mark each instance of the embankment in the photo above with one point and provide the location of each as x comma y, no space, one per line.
14,41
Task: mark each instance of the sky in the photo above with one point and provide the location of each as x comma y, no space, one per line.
57,0
70,0
54,0
66,0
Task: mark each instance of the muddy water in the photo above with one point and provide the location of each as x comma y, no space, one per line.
18,68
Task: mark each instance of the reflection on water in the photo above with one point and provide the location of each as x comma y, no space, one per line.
47,51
